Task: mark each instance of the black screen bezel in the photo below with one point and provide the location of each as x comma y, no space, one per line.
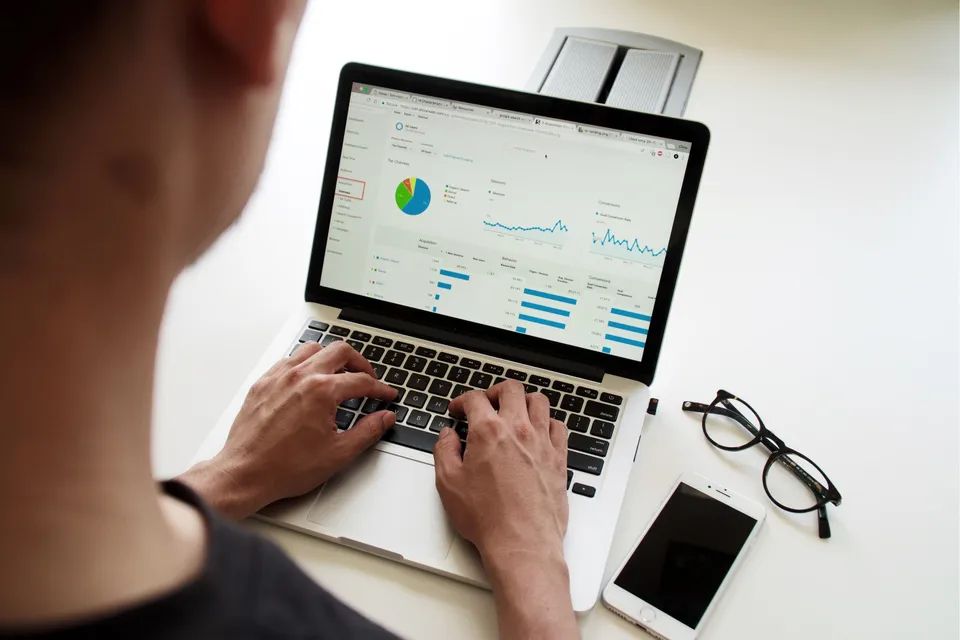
585,113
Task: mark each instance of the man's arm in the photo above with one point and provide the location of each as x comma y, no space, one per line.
507,494
284,442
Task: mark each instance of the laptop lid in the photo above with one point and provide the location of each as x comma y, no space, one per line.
520,222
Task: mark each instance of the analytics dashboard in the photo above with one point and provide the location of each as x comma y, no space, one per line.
534,225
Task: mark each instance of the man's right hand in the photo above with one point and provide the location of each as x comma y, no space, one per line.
507,495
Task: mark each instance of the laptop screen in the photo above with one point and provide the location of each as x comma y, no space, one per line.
539,226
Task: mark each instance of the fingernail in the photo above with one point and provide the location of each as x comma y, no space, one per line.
443,432
388,420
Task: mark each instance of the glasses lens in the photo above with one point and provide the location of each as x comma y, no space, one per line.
731,423
794,481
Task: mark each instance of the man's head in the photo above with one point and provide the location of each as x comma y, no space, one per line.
133,130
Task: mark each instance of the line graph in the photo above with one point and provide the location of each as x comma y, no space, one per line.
530,232
631,246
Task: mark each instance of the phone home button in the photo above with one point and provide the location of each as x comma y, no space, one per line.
646,615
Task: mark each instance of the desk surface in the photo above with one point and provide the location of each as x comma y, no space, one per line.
820,281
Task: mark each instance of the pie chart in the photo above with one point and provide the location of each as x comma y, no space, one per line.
413,196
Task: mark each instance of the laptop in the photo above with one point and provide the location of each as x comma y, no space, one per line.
468,235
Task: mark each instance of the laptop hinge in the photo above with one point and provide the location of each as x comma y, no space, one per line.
473,343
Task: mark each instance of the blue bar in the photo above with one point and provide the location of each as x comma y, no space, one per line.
454,274
434,309
444,285
549,296
625,327
549,323
521,329
632,343
542,307
629,314
606,349
436,297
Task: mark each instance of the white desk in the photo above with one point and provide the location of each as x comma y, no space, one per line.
820,281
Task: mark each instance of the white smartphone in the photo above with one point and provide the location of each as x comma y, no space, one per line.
683,561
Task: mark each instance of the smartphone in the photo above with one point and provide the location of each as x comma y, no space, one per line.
683,561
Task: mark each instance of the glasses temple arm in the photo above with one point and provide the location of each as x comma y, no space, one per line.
822,522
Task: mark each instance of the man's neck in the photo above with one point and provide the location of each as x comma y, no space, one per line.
85,529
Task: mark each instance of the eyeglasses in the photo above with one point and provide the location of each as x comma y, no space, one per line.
792,481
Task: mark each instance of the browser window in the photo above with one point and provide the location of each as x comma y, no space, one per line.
535,225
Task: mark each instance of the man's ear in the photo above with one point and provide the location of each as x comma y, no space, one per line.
250,33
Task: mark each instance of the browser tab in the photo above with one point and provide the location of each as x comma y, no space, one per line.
598,132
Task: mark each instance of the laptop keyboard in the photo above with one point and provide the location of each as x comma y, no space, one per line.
427,379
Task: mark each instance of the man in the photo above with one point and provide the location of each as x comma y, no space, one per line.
133,134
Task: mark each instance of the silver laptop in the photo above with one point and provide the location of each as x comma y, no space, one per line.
468,235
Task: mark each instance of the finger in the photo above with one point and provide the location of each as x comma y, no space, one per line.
303,351
511,398
366,433
474,405
336,357
539,409
558,437
360,385
446,454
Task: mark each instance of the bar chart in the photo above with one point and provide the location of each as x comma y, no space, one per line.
544,309
625,328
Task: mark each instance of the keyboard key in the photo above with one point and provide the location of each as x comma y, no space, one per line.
498,380
565,387
578,423
495,369
557,414
552,396
415,363
438,405
379,370
309,335
600,410
440,387
582,462
396,376
461,429
459,390
587,444
400,391
437,369
318,326
418,381
362,336
394,358
569,477
481,380
439,422
572,403
372,405
356,344
586,392
540,381
530,388
399,411
458,374
413,438
344,418
584,490
426,352
419,419
449,358
415,399
330,339
380,341
513,374
611,398
352,403
373,353
339,331
469,363
602,428
406,347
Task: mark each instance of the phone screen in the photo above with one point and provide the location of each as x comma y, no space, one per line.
683,558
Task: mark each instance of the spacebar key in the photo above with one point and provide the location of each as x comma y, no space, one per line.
413,438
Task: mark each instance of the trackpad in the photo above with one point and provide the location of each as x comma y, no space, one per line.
389,502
